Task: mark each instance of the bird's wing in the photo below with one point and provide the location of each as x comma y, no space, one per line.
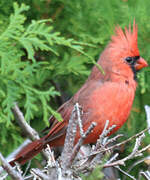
56,128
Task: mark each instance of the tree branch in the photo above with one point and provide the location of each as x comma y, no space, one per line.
38,173
7,167
119,144
29,131
133,154
69,140
81,140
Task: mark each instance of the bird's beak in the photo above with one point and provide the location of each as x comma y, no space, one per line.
141,63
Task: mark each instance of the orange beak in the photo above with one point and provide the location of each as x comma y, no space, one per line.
141,63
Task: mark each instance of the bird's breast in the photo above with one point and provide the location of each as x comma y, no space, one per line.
112,101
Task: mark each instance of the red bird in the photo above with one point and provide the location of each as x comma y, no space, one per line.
102,97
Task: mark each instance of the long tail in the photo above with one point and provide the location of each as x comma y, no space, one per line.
55,137
28,152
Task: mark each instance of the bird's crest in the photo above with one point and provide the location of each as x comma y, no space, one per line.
125,41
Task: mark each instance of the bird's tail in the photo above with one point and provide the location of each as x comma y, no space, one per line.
35,147
28,152
55,137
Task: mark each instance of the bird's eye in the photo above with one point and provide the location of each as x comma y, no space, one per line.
129,60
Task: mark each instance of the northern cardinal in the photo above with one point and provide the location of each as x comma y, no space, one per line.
103,97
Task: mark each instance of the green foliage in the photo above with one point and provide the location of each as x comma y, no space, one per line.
22,76
96,174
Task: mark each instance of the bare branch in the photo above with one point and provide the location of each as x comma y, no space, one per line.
38,173
133,154
144,149
68,156
51,160
14,153
69,140
114,139
147,110
79,119
27,168
125,173
112,158
81,140
105,131
145,174
88,162
138,162
3,176
13,174
119,144
103,136
29,131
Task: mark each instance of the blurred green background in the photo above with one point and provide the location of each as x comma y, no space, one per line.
44,62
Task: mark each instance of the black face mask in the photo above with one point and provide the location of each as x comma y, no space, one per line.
131,61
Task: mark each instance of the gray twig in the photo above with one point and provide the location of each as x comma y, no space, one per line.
81,140
14,153
51,159
106,131
29,131
77,106
137,162
114,157
13,173
27,168
114,139
145,174
125,173
147,110
103,136
69,140
38,173
119,144
133,154
88,162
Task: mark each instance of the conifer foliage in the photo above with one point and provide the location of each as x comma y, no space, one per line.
22,76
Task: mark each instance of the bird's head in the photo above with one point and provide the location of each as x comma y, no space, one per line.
121,56
123,50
